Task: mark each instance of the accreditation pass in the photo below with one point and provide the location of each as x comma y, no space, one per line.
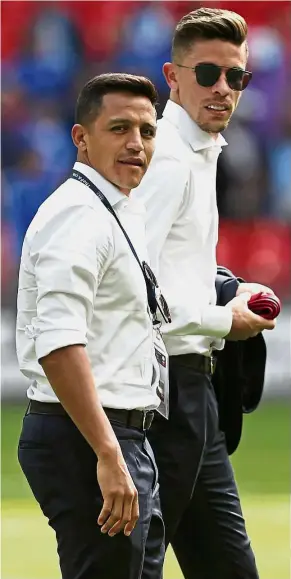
163,386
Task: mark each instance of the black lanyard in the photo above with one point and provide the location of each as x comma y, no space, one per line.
149,278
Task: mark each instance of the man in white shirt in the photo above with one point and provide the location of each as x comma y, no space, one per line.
85,341
206,78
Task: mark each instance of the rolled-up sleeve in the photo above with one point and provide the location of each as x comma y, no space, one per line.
190,317
216,321
69,252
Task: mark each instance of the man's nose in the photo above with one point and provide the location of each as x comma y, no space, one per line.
221,86
135,142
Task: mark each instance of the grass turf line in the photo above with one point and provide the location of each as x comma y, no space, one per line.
262,466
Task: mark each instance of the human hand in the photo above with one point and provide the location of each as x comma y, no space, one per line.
253,288
120,509
246,324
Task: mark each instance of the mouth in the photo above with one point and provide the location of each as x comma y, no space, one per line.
132,162
219,110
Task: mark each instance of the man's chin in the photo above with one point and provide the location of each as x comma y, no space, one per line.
133,183
214,128
126,187
131,180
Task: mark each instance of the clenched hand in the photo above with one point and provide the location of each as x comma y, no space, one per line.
246,324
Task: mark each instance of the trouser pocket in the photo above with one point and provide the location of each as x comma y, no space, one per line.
150,454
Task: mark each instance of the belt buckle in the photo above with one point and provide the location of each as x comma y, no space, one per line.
211,365
213,361
147,420
144,421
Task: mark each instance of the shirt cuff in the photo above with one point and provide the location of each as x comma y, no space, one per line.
216,321
52,340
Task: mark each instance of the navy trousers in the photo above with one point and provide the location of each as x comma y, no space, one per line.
199,498
60,468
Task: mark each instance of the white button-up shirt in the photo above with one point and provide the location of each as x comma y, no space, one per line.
179,191
79,283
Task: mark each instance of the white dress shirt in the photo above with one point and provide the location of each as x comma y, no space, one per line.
179,192
79,283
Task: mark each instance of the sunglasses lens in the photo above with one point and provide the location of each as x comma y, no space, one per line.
238,79
207,74
246,79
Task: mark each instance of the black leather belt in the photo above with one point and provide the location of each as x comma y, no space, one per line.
128,418
200,363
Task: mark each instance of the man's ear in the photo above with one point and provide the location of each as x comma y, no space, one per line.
170,74
79,137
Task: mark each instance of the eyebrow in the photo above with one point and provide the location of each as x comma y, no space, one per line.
150,126
122,121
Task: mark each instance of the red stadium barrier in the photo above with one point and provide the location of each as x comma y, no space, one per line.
258,251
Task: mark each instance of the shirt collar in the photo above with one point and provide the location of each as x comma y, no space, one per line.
110,191
197,138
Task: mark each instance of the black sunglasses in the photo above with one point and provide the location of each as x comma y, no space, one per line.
155,296
207,74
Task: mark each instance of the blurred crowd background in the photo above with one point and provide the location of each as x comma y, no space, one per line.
49,49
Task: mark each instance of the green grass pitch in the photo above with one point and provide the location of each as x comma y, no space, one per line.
262,466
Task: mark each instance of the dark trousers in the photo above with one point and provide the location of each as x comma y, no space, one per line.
60,468
199,498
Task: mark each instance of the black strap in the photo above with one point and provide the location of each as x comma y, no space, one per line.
150,290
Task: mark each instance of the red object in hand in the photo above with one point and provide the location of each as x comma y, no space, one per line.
266,305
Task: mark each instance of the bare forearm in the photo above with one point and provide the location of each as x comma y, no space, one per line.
69,373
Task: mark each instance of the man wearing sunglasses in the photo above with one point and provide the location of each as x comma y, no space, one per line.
206,78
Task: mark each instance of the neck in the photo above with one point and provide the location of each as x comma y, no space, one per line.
174,96
124,191
83,158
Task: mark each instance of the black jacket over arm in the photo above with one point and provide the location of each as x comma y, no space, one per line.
240,369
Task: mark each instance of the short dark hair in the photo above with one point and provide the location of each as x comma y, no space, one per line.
208,24
90,98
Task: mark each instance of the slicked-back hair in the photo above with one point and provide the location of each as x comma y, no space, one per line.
208,24
89,101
